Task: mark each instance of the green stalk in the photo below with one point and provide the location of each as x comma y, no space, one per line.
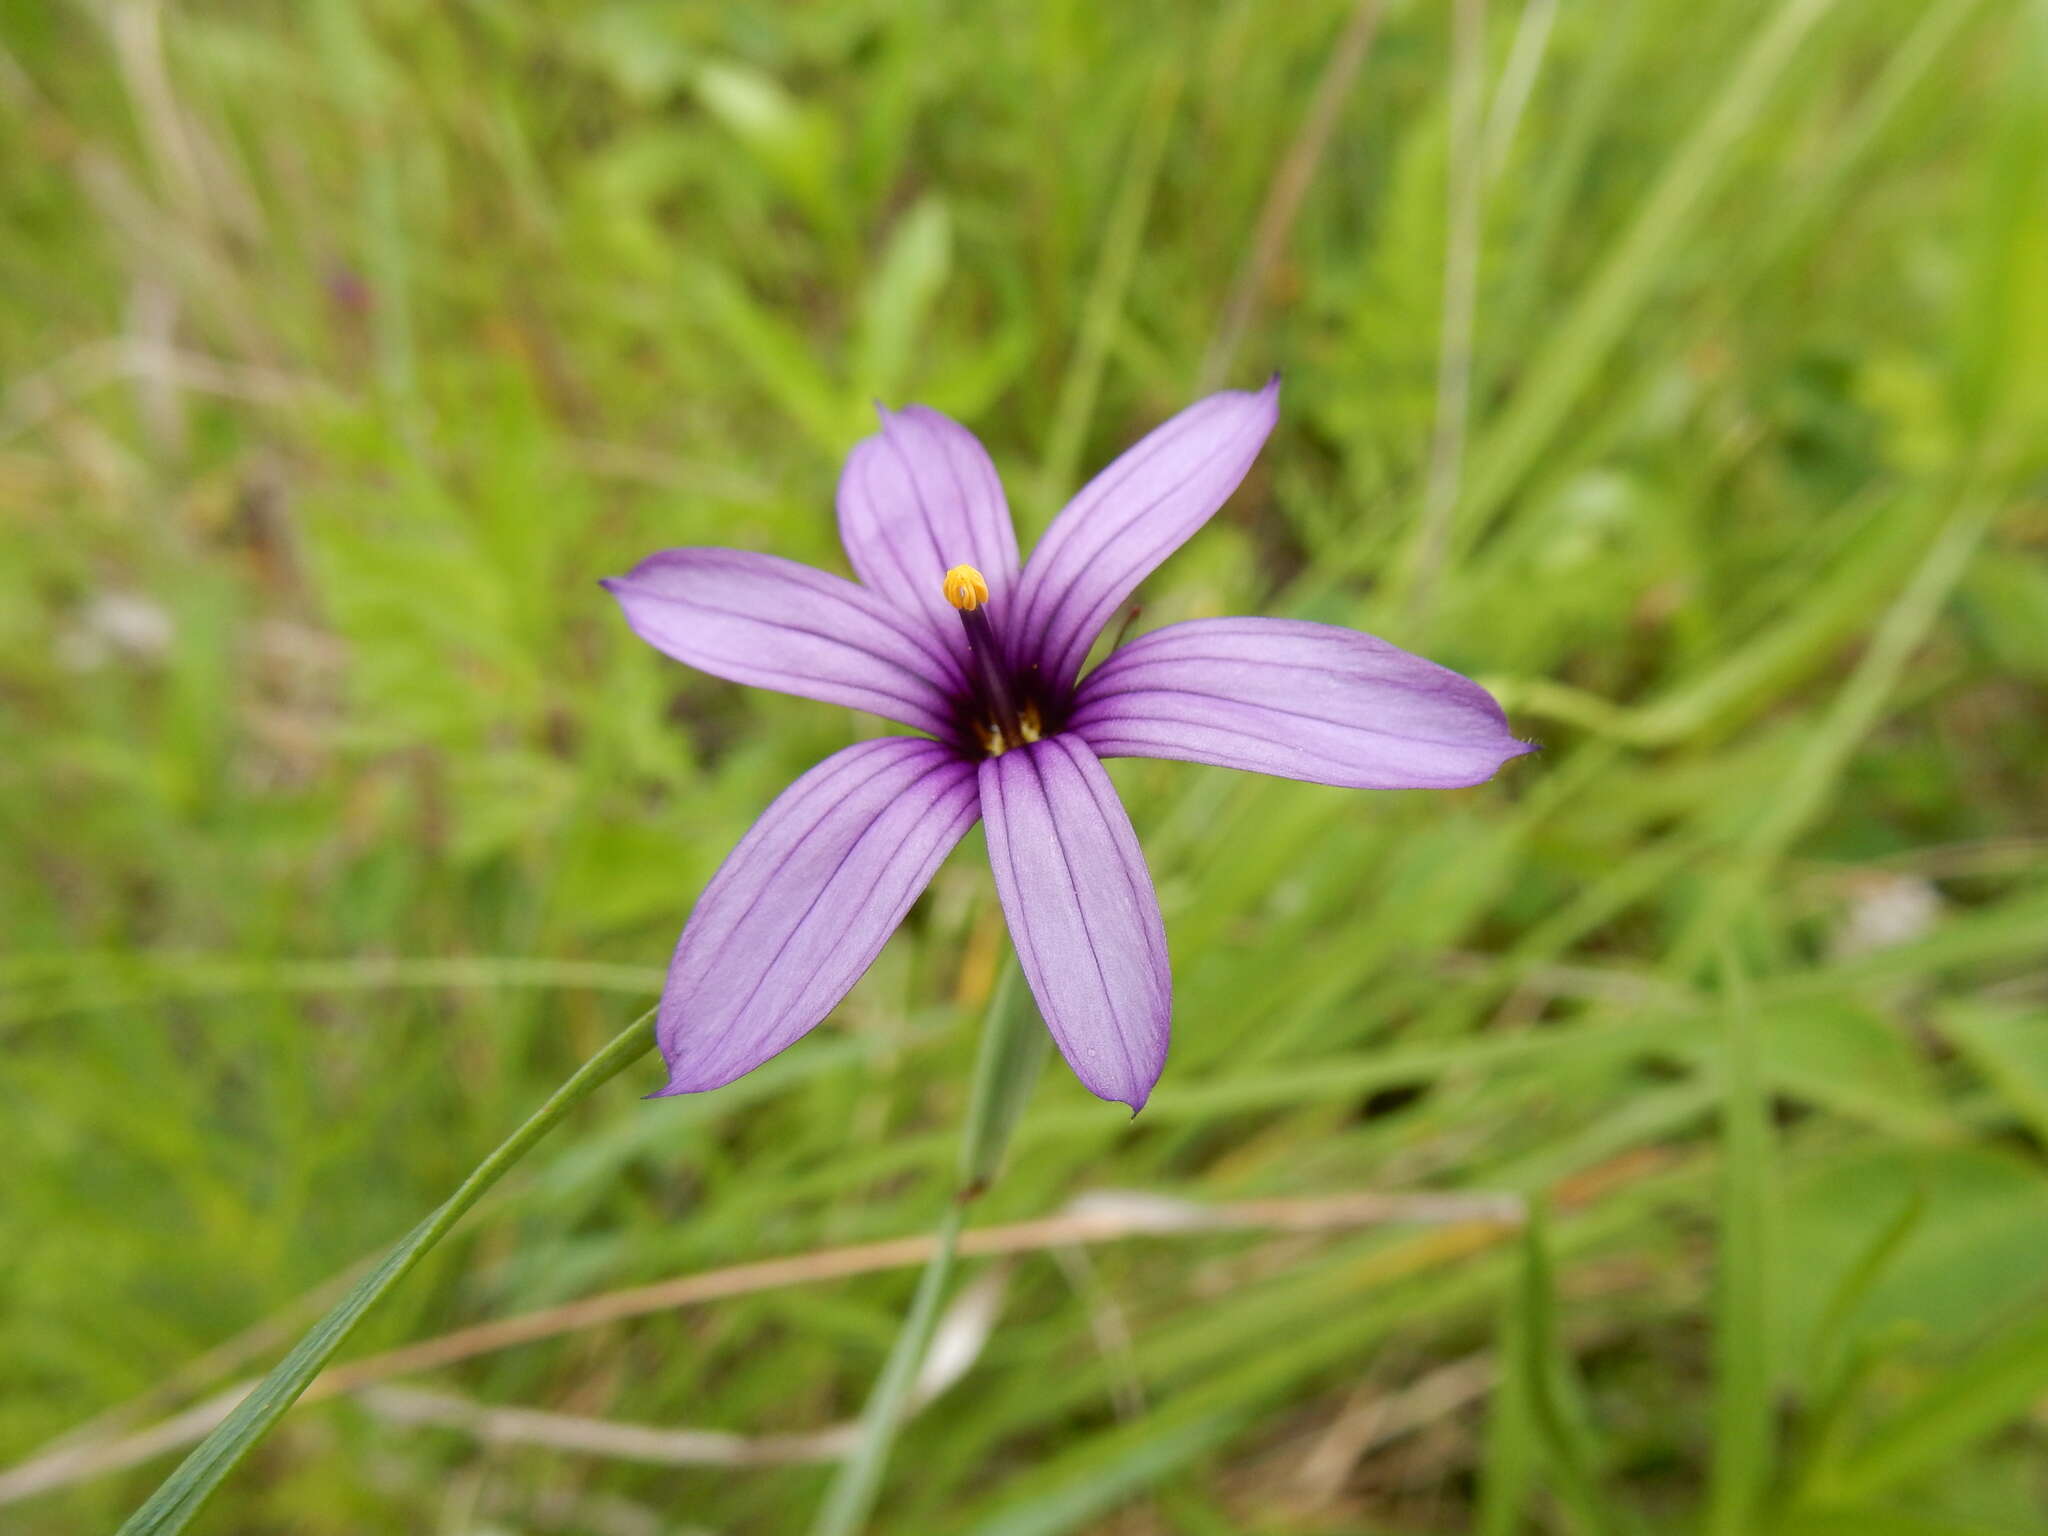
1744,1379
1013,1047
1014,1042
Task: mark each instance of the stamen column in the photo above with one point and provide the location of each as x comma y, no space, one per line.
967,590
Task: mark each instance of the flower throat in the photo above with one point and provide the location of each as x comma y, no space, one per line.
1006,722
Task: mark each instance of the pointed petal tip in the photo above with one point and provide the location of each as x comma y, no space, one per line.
1265,399
1515,747
1133,1099
1114,1087
1512,748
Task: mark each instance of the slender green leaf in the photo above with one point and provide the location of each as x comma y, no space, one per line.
179,1497
1743,1312
1578,342
853,1491
1572,1455
1089,1497
900,295
1513,1449
2011,1050
1870,1265
1014,1045
1968,1401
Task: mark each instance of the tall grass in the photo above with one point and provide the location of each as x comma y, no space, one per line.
343,346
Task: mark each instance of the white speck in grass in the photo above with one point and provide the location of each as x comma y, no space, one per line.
115,626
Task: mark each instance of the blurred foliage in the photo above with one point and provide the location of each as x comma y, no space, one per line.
345,344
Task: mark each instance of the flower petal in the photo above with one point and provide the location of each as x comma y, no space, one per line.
917,499
1304,701
1127,520
772,623
1082,913
802,906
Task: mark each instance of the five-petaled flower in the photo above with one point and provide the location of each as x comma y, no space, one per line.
948,633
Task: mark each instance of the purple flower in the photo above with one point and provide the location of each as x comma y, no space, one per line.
949,633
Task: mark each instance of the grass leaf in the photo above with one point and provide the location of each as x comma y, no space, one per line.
179,1497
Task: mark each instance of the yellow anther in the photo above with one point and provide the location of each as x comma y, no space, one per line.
965,588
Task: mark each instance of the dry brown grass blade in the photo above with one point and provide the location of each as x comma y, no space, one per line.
956,1344
1098,1218
1092,1219
1289,187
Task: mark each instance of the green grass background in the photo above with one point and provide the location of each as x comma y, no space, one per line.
346,344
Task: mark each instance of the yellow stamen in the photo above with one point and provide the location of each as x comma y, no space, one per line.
965,588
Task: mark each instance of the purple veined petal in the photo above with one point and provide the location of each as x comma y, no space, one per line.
772,623
1127,520
1082,913
802,906
915,500
1304,701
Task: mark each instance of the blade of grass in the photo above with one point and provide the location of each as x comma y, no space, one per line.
1290,184
1463,225
139,982
1517,81
1870,1266
1013,1045
1743,1311
2010,1051
1854,714
1839,1371
1877,1520
1012,1055
87,1453
1970,1400
1559,1411
1512,1448
853,1491
179,1497
1072,1506
1106,294
1601,315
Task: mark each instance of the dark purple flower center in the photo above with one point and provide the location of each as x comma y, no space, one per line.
1006,705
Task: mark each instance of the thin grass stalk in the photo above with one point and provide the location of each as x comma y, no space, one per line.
1465,186
1013,1046
181,1495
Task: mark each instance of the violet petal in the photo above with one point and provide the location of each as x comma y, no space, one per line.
1082,912
802,906
1304,701
773,623
1127,520
917,499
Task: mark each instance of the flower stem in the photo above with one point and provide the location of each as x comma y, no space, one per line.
1013,1046
1014,1042
852,1494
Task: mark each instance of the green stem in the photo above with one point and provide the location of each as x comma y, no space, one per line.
852,1494
179,1497
1014,1043
1013,1047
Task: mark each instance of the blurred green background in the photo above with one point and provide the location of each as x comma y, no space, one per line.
1678,369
